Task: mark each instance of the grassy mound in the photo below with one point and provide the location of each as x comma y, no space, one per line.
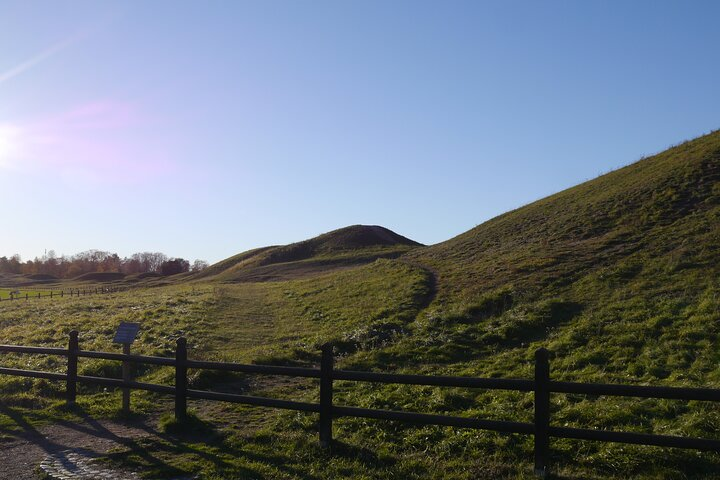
100,277
42,277
350,246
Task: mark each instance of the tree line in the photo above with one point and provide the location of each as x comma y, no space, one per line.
93,261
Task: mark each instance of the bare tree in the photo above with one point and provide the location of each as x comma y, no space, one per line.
199,265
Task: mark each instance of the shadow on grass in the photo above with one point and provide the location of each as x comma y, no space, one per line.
57,444
182,451
197,438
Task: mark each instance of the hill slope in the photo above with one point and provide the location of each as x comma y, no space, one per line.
619,276
661,212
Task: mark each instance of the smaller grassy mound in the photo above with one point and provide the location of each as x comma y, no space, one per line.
342,248
353,238
100,277
12,280
42,277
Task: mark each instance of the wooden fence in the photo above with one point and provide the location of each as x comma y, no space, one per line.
70,292
541,386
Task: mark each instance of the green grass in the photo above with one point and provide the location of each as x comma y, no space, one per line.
619,277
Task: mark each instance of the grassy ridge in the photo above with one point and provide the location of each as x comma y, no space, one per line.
653,207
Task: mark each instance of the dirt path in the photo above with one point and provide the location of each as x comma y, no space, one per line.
67,449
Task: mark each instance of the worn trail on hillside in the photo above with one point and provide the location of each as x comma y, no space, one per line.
244,318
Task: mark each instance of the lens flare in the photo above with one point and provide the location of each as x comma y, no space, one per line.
8,144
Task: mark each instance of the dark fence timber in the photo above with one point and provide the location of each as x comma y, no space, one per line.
541,386
33,293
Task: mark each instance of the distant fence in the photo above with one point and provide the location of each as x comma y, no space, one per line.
26,294
540,385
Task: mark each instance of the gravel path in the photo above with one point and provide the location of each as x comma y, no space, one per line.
67,451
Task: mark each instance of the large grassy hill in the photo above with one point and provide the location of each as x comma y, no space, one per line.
618,277
634,252
660,208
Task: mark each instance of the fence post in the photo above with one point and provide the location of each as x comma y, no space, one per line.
326,396
542,411
71,385
127,377
181,379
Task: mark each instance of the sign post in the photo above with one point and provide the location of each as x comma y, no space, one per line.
125,335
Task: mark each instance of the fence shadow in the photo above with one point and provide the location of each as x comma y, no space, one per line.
540,385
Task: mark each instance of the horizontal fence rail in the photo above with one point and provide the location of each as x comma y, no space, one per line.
428,419
32,374
260,369
251,400
126,358
636,438
36,350
31,294
541,386
641,391
439,381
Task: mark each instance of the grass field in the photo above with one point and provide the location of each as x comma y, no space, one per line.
285,323
275,322
618,277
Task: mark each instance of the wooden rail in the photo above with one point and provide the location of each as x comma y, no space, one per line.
541,386
54,293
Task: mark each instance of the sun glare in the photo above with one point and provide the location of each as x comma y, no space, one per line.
8,144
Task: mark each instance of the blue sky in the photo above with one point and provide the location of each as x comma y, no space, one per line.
202,129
